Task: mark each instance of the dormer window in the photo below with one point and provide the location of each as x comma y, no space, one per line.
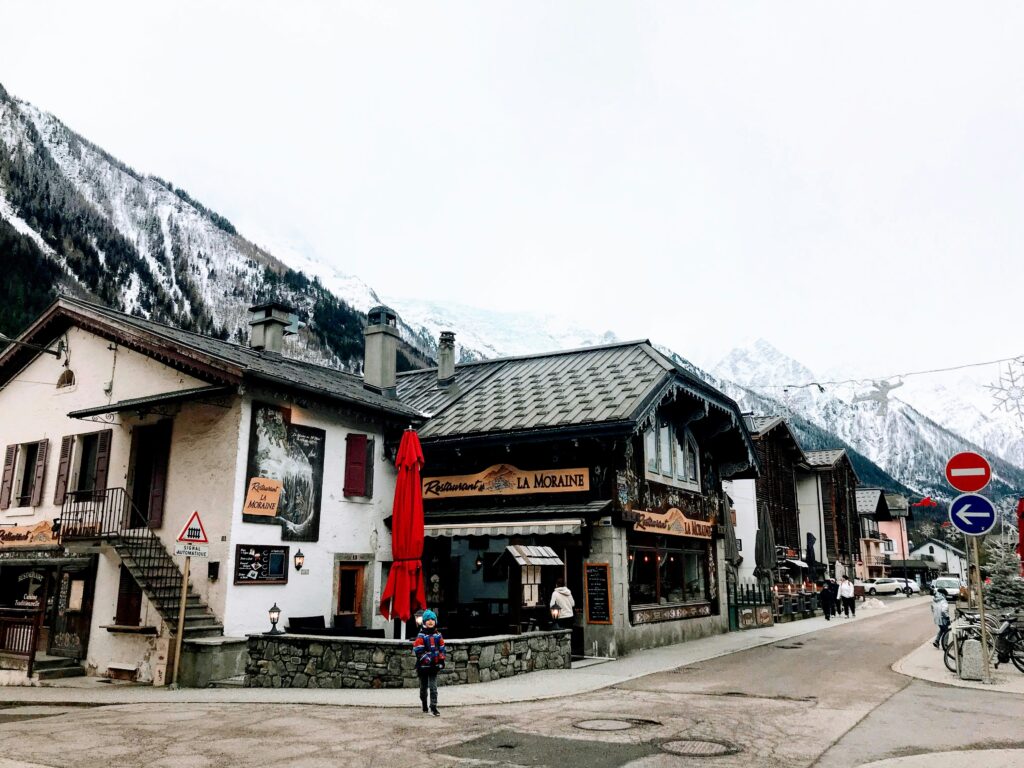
671,457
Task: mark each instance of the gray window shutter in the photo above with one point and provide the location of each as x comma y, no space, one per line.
42,454
63,470
5,489
102,460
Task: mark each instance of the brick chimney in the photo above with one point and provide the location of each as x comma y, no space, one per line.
380,356
446,360
268,324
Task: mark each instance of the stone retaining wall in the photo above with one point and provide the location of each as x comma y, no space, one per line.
312,661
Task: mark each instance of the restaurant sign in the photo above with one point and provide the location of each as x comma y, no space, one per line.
671,523
27,536
506,480
262,497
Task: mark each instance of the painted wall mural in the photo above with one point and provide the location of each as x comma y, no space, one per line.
293,456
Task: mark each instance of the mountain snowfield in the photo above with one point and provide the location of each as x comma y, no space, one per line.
147,248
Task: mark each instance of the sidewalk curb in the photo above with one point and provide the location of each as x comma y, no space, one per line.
941,676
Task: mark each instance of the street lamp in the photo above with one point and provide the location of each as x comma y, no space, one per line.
275,616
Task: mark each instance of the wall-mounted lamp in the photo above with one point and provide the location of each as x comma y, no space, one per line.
275,616
479,563
300,560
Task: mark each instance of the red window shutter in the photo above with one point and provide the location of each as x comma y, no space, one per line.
5,489
42,454
369,469
63,469
102,460
129,600
161,454
355,465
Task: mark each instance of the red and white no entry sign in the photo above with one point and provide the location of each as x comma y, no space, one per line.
968,472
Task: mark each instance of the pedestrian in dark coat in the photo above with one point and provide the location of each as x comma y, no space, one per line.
828,601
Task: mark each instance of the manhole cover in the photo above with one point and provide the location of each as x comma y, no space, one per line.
613,724
701,748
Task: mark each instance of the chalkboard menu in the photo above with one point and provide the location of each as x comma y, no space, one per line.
260,564
598,593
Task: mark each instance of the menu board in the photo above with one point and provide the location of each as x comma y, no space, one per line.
598,593
261,564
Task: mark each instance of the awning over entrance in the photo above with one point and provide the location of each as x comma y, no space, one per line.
505,528
153,401
529,555
797,563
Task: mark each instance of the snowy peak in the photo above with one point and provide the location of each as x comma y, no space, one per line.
761,364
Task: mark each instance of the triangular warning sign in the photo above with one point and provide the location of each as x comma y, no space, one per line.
193,532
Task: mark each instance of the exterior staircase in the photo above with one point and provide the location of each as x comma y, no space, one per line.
111,517
160,579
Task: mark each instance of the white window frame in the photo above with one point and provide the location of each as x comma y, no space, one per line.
676,476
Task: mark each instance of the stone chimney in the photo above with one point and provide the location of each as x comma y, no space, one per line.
380,356
446,359
268,324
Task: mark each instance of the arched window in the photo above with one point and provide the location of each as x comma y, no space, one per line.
67,379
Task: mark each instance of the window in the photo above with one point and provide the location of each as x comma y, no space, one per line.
671,457
24,474
66,379
83,467
666,575
358,466
129,600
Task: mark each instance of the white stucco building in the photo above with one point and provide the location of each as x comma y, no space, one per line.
112,443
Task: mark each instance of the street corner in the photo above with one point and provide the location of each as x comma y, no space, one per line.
925,663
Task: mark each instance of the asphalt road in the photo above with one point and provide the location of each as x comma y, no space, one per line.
827,700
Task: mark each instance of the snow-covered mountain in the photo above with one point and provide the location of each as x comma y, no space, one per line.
904,442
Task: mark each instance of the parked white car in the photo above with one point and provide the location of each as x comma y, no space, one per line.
881,586
907,586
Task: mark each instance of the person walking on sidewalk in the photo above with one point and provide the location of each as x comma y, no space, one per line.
430,658
846,593
561,599
828,599
940,615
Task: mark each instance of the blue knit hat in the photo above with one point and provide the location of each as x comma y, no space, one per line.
428,615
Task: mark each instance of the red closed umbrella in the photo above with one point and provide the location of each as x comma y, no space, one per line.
404,592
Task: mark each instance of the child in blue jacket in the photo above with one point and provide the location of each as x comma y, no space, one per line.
430,658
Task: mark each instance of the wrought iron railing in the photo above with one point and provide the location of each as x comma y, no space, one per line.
19,633
111,515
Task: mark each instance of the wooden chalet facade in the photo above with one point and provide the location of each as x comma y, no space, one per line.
608,461
828,508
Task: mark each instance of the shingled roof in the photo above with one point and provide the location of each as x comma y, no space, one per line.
206,357
610,386
824,458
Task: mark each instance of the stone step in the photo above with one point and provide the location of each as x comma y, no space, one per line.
238,681
59,673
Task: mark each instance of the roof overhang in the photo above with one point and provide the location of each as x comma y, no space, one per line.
152,403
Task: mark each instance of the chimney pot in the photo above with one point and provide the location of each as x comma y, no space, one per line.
267,325
446,359
380,354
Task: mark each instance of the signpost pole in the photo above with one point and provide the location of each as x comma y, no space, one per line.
981,613
181,621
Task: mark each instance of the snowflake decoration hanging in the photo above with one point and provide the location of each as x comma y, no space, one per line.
1009,392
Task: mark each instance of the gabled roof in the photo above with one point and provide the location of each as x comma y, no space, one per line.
899,505
871,503
612,387
205,357
762,426
824,458
944,545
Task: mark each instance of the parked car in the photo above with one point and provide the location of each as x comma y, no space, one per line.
950,587
881,586
908,586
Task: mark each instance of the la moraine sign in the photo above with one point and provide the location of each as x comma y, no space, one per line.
507,480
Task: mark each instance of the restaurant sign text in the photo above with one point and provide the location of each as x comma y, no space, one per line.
670,523
506,480
27,536
262,497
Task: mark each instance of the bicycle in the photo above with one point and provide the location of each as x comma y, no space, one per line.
1007,640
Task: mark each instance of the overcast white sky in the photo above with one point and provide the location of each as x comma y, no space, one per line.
843,179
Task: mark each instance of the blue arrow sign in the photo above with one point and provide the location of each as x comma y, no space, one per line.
972,514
